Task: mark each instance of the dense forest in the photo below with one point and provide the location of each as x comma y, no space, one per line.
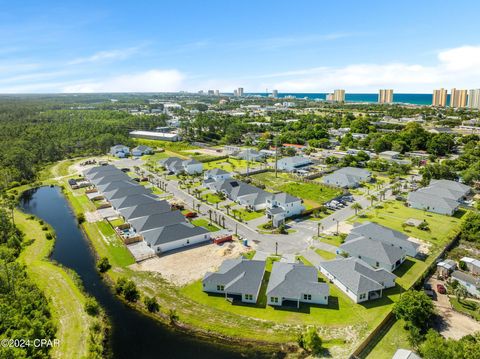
24,311
35,133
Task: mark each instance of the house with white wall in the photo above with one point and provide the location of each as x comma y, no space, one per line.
468,281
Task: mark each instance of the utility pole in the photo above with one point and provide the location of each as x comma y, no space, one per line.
276,156
276,248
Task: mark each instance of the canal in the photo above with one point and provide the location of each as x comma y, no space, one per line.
133,335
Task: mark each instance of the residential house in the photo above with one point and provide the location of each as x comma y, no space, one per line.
295,283
446,267
141,150
292,164
101,179
376,253
281,206
347,177
440,196
175,236
145,209
157,220
389,236
472,264
405,354
357,279
242,193
132,201
251,155
216,174
177,165
119,151
237,279
125,192
389,155
471,283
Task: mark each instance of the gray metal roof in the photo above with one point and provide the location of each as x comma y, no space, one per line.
97,169
376,231
357,275
295,161
216,172
145,209
275,210
156,220
126,191
366,247
292,280
134,200
106,187
432,200
285,198
465,277
172,233
110,177
239,276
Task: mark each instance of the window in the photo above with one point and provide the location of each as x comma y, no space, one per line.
307,297
362,296
377,264
220,288
248,297
274,299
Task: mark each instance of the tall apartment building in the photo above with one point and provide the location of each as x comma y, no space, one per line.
339,96
458,98
474,99
439,98
274,93
240,91
217,92
385,96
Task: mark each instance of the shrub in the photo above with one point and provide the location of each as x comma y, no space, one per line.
103,265
44,228
91,307
49,236
119,285
310,341
80,218
151,304
130,291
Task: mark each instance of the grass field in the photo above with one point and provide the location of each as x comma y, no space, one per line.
466,306
333,240
313,194
394,339
244,214
231,165
211,198
66,300
202,222
325,255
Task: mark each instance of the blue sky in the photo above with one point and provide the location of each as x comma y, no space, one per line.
293,46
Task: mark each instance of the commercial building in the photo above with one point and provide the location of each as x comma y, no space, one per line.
152,135
385,96
458,98
474,99
439,98
339,96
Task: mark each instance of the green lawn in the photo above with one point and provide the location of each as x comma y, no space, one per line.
245,215
231,165
211,198
325,255
333,240
395,338
313,194
66,299
466,306
202,222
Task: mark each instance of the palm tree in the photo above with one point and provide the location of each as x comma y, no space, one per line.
210,215
223,221
357,206
382,194
198,207
372,199
227,208
460,292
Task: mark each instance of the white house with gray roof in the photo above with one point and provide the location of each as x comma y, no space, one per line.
440,196
281,206
216,174
251,155
468,281
175,236
236,278
177,165
292,164
347,177
376,253
119,151
472,264
141,150
295,283
357,279
387,235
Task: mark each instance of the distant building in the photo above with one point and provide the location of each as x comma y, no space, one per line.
472,264
119,151
474,99
141,150
469,282
151,135
292,164
329,97
240,92
347,177
439,98
339,96
385,96
217,92
389,155
210,92
177,165
275,93
458,98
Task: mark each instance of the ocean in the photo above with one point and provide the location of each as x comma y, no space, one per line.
412,98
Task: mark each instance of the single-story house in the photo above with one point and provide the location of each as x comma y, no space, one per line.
102,179
389,155
145,209
376,253
119,151
125,192
440,196
295,283
251,155
132,201
357,279
157,220
473,265
292,164
471,283
107,187
387,235
216,174
175,236
177,165
141,150
446,267
347,177
236,278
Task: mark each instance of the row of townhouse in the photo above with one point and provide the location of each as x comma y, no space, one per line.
149,217
279,206
178,166
289,284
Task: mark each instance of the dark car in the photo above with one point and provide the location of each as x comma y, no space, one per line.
427,286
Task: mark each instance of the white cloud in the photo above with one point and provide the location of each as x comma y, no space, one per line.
148,81
118,54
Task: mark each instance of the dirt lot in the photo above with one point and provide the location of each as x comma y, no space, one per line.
190,265
451,324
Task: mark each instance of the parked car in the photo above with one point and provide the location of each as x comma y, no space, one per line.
430,293
191,215
427,286
125,169
441,289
